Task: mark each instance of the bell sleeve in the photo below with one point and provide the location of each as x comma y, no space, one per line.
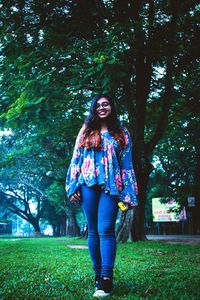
129,185
74,170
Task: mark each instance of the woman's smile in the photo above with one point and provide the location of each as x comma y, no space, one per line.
103,112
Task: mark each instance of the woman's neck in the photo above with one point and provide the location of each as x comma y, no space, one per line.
104,127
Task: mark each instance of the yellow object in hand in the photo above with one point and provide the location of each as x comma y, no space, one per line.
122,206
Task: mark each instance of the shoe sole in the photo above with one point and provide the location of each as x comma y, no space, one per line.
101,293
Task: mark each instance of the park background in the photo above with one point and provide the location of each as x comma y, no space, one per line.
55,55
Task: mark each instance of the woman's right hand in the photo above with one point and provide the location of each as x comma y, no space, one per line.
75,197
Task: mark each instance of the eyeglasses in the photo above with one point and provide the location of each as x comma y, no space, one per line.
103,105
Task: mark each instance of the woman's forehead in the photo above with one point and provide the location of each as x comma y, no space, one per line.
101,100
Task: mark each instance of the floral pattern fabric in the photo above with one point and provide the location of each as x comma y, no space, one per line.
110,167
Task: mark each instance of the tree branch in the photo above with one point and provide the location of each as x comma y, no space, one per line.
34,188
163,120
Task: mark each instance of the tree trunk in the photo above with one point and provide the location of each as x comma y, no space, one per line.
35,223
123,231
196,211
138,219
63,227
72,228
54,229
60,226
57,230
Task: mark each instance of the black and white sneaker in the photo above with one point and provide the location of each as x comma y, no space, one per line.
97,282
104,288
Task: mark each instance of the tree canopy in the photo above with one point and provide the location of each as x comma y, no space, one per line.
57,54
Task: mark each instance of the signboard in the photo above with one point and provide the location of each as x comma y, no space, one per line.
191,201
183,216
165,212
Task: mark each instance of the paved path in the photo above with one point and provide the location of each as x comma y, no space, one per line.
176,239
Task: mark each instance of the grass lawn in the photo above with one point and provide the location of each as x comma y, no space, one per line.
46,268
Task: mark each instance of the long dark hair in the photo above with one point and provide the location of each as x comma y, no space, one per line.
91,134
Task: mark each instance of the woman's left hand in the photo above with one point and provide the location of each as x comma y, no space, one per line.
75,197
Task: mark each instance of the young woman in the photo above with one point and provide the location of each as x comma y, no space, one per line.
99,176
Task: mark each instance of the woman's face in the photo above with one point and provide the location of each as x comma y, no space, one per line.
103,108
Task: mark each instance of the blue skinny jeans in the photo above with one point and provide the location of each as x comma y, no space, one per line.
101,212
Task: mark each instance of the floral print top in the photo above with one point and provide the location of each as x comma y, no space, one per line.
110,167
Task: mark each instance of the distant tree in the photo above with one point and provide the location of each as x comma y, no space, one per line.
178,154
21,181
